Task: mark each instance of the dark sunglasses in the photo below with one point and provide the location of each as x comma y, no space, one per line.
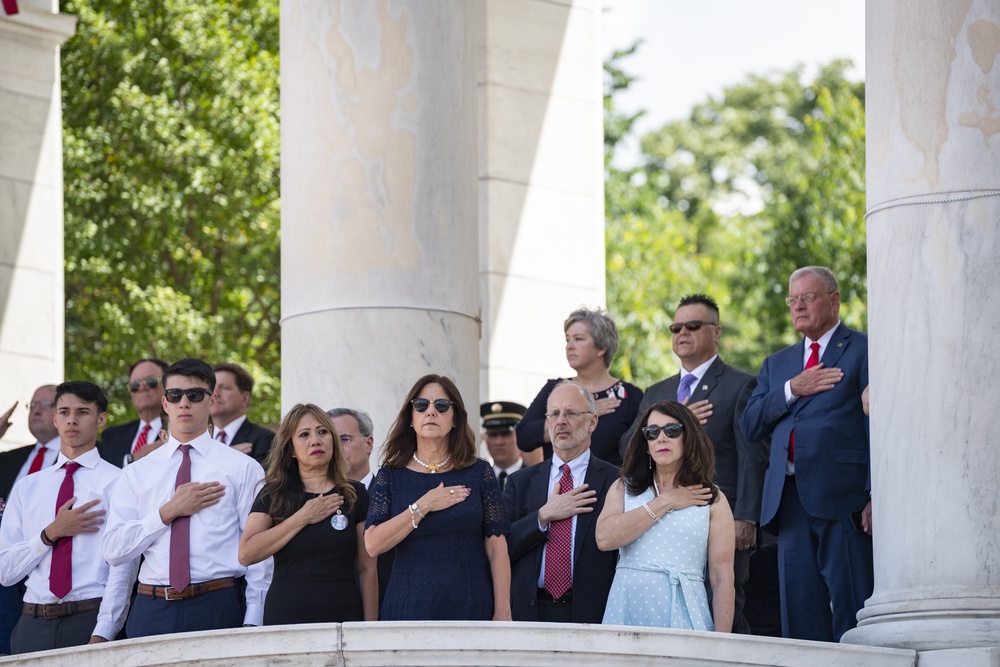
150,382
196,395
672,431
441,405
690,325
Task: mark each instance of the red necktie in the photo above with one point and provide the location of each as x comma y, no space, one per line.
61,569
222,437
38,461
559,551
143,437
812,361
180,531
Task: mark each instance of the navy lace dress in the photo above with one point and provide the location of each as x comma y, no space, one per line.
440,571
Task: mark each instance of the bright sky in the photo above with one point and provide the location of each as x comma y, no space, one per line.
695,48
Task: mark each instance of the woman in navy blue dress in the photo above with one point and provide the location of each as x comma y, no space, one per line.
440,507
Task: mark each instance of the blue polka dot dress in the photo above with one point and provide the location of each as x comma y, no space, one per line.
660,578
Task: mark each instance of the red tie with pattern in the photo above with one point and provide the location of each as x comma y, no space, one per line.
559,551
38,461
812,361
61,569
143,437
180,531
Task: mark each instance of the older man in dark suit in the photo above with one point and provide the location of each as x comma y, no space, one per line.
557,572
816,491
716,393
120,443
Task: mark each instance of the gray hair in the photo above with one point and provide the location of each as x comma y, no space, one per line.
602,330
591,403
365,426
821,272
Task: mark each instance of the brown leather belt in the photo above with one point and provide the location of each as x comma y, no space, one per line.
192,591
60,610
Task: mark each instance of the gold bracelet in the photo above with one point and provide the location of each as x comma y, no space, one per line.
651,513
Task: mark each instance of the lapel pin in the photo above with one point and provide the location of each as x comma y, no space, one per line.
704,387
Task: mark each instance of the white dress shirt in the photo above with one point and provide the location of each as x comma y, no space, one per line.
698,373
578,469
824,342
51,454
366,481
32,507
514,468
135,527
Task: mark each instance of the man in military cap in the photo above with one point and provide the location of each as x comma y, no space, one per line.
499,420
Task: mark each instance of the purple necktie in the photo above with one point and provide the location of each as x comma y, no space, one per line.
684,390
61,570
180,531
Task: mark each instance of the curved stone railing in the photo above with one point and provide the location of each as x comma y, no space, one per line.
462,643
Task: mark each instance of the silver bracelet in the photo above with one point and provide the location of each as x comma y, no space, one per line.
419,513
651,513
413,519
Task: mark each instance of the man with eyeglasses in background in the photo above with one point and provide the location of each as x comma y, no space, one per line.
816,491
16,464
557,572
230,426
119,444
183,508
716,393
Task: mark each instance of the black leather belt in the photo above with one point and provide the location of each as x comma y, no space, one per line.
545,596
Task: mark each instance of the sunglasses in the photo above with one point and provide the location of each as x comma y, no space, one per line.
441,405
690,325
196,395
672,431
150,382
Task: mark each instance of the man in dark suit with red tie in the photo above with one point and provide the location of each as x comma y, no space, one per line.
816,490
557,572
230,426
119,443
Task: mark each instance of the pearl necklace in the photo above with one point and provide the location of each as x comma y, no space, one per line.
432,467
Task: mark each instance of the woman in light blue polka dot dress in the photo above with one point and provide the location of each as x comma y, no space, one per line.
670,522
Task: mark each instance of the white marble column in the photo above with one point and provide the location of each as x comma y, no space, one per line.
379,239
541,186
933,108
32,301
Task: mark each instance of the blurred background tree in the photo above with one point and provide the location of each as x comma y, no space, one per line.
171,146
729,201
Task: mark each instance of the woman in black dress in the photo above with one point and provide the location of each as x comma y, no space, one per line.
310,517
440,507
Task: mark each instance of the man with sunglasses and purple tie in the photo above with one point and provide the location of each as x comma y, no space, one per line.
717,393
119,443
183,507
816,491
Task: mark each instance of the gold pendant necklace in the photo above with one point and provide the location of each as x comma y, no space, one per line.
432,467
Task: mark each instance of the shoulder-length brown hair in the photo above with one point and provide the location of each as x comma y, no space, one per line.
401,443
697,460
284,483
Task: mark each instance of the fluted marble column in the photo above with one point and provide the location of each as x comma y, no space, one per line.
32,299
379,239
933,106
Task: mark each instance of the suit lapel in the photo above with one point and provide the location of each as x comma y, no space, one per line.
708,382
538,495
594,479
836,347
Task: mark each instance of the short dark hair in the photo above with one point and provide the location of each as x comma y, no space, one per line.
88,392
702,299
159,362
192,368
244,381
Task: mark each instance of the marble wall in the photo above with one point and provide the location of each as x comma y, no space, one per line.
31,214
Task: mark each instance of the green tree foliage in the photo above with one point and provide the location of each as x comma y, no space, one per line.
729,201
171,144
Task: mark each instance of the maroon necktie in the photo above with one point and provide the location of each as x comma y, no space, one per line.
559,550
38,461
222,437
143,437
180,531
61,569
812,361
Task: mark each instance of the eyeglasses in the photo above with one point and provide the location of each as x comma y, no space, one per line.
441,405
568,414
672,431
38,404
690,325
196,395
808,297
150,382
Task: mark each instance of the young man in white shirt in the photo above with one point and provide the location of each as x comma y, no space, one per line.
183,507
73,597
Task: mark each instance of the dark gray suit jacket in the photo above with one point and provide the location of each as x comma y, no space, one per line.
739,463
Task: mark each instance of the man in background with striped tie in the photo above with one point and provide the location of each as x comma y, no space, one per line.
119,444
